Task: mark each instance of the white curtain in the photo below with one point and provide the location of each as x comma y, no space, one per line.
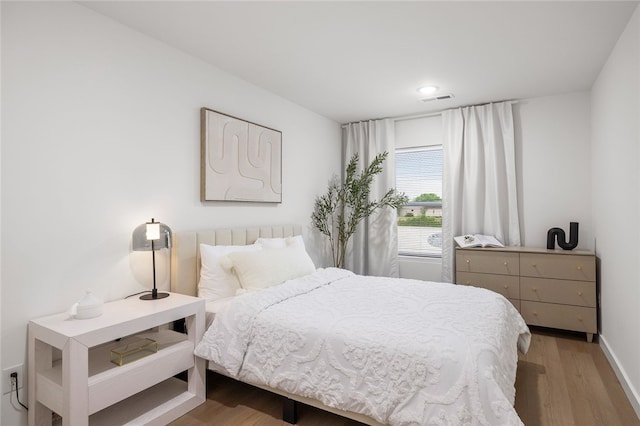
479,183
373,249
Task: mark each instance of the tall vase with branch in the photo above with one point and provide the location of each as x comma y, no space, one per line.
338,213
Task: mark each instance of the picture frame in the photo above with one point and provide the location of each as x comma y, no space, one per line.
240,160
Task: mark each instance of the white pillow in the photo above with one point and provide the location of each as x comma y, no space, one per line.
266,268
216,280
271,243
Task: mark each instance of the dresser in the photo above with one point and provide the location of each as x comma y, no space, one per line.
550,288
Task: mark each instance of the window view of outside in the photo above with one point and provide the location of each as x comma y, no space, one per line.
419,176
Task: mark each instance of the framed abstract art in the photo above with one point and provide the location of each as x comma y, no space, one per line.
240,160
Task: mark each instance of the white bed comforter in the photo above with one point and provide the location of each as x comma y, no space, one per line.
402,352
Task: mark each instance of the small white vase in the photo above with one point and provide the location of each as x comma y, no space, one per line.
89,306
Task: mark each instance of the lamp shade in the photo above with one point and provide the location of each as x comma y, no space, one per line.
153,231
144,234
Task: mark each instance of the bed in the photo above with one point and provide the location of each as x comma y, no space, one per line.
373,349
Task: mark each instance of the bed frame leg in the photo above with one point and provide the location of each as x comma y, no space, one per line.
290,411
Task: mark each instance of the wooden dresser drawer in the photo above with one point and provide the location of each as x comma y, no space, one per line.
515,303
563,267
550,288
506,285
577,318
580,293
488,262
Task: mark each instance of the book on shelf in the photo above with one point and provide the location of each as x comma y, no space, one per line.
477,240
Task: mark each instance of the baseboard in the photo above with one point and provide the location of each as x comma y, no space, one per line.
629,390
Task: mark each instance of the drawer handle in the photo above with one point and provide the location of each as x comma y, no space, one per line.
506,263
534,265
468,282
579,267
468,261
534,289
506,286
535,314
580,318
579,293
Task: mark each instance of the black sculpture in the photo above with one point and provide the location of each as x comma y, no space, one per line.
558,233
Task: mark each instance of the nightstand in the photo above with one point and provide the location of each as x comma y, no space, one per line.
70,371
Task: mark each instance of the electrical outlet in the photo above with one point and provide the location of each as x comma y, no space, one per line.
6,377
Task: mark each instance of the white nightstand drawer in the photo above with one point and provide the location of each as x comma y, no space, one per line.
117,384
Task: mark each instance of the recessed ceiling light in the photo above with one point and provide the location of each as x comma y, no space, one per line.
427,90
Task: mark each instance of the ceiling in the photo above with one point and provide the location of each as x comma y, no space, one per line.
352,61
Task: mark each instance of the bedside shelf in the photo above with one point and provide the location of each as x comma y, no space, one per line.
109,383
103,389
148,406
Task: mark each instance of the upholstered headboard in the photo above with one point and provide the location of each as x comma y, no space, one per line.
185,253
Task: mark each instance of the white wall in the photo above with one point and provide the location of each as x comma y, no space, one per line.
85,103
553,158
418,132
1,364
615,101
554,167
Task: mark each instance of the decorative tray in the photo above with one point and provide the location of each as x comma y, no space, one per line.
133,350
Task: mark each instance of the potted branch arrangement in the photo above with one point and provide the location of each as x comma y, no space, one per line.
337,213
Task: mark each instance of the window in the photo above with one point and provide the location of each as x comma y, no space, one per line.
419,176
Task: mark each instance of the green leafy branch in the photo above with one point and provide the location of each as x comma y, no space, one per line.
338,213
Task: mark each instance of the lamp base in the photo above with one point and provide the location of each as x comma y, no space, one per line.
152,296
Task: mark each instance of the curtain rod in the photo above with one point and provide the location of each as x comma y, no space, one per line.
427,114
399,117
412,117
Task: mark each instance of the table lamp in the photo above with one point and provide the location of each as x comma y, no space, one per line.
152,236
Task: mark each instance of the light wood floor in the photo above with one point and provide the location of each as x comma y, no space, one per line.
562,381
